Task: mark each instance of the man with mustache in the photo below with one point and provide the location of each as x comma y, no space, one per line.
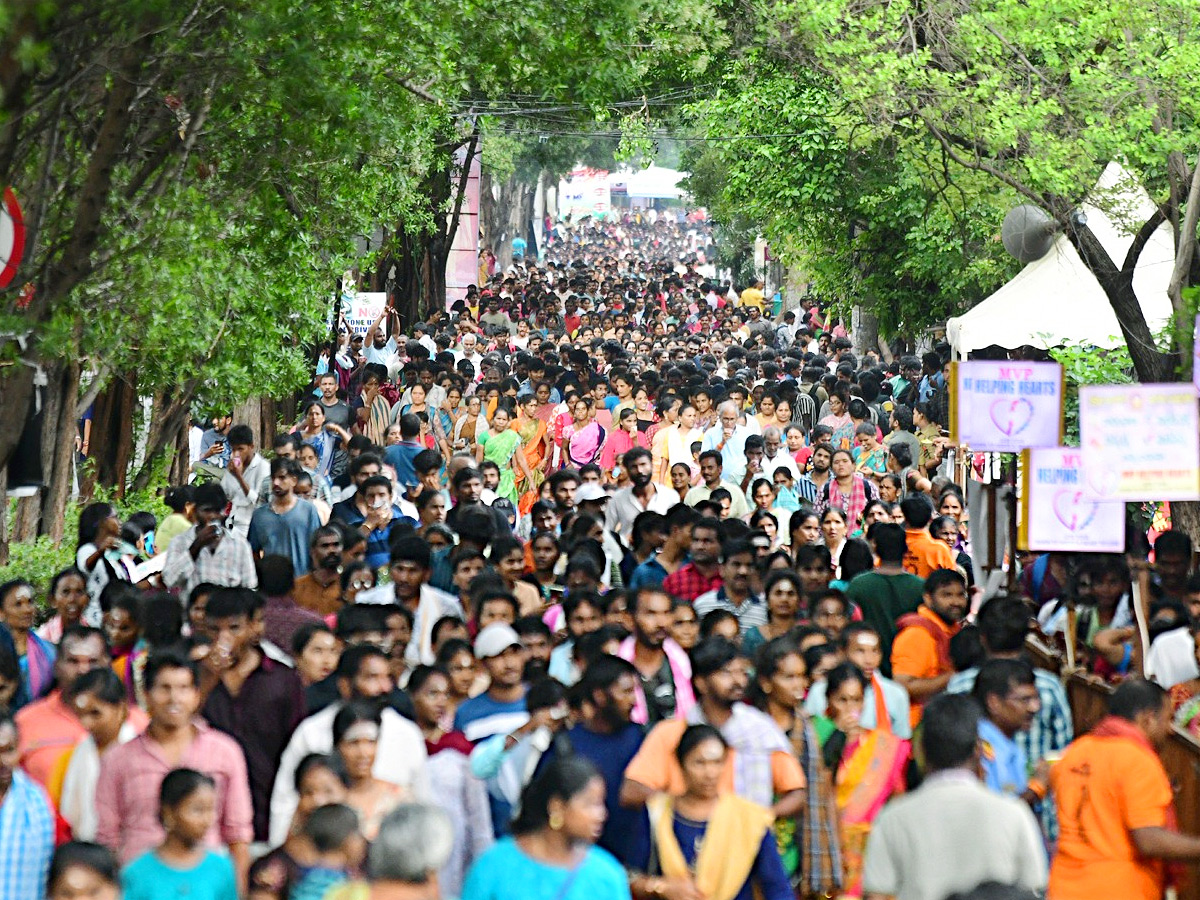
921,652
642,496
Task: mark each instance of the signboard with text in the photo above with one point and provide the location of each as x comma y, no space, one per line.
1056,513
1140,441
1006,405
360,310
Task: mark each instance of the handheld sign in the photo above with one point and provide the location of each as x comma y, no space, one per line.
1140,441
1055,513
1005,405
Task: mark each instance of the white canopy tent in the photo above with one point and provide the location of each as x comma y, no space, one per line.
653,183
1056,300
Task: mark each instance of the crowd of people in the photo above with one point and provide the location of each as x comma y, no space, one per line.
611,581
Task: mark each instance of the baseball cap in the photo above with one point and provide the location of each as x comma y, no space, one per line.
590,492
495,639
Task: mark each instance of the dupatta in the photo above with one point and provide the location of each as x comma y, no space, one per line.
732,839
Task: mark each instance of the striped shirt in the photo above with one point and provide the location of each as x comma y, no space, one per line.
26,839
751,612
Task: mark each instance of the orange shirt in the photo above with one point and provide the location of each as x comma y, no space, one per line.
915,653
1104,787
656,767
925,553
49,730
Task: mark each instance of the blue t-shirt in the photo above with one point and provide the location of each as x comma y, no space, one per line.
285,535
519,246
379,541
481,717
149,878
400,457
611,755
504,872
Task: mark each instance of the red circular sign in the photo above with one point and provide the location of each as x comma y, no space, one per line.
12,237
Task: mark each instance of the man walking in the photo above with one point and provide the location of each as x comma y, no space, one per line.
1116,814
243,477
952,833
642,496
736,593
702,573
921,652
285,525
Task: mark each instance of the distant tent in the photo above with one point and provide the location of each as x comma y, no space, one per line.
653,183
1056,300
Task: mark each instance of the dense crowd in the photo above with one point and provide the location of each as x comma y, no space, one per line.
610,581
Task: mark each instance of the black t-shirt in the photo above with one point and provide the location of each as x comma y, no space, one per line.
338,414
660,694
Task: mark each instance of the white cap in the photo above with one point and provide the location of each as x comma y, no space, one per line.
495,639
590,492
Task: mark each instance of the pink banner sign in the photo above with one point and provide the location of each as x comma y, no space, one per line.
1007,406
1140,441
1056,512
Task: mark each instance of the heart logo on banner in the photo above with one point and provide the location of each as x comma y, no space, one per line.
1073,510
1103,479
1011,416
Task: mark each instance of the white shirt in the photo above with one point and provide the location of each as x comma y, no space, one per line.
385,355
733,454
400,759
434,604
255,474
624,507
950,835
781,460
78,803
1172,658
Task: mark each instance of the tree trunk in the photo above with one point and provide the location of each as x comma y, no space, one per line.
112,432
1185,517
61,466
169,417
25,522
1151,365
864,330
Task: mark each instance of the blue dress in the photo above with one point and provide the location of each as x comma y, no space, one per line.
505,872
149,878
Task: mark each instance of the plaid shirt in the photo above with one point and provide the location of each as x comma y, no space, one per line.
1050,731
820,872
229,564
687,583
26,839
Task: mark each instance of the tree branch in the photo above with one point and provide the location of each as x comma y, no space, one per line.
1187,242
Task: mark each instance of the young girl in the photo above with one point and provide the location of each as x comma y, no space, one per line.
507,554
182,866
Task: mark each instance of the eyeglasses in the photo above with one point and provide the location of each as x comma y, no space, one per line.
360,585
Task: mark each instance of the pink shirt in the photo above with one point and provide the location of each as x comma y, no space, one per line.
131,775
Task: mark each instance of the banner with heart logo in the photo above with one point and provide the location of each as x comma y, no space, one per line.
1006,405
1055,512
1140,441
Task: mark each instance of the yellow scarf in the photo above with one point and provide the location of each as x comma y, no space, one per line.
731,842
